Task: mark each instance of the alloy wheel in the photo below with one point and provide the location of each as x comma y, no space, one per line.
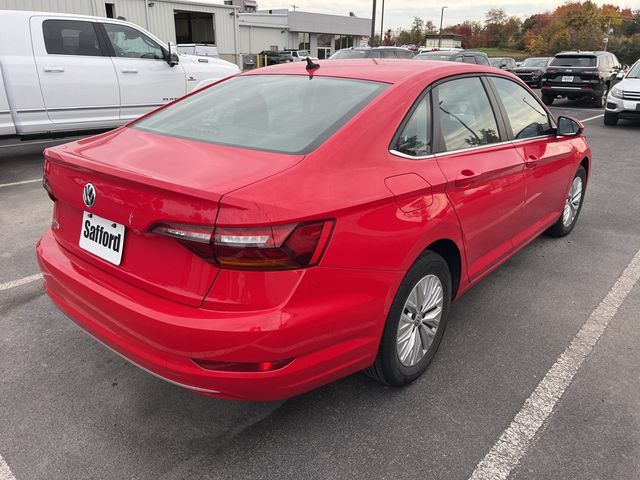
572,203
420,320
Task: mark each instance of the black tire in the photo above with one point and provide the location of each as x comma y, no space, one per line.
610,119
559,229
600,100
387,368
547,99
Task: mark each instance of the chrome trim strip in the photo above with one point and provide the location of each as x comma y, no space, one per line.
410,157
565,88
471,149
520,140
66,109
2,112
178,384
142,105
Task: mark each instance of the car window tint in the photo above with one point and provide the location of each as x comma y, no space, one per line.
388,54
404,54
131,43
469,59
466,117
277,113
458,59
525,114
70,37
414,139
573,61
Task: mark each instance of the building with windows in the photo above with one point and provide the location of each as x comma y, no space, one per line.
320,34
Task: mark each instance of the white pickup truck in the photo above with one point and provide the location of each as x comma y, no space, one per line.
63,73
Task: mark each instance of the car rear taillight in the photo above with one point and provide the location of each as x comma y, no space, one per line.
279,247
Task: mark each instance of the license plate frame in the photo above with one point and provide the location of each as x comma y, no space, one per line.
102,237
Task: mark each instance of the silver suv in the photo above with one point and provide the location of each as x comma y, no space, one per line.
623,100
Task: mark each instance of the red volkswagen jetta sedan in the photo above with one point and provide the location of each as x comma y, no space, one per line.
290,226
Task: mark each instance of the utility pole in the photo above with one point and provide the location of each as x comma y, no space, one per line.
440,36
382,23
294,7
373,24
606,39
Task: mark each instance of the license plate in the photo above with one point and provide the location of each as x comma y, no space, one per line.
567,79
102,237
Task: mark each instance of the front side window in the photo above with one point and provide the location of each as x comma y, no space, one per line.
414,139
527,117
130,43
278,113
70,37
465,114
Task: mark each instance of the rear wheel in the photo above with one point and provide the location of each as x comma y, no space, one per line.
415,324
600,100
572,206
610,119
547,99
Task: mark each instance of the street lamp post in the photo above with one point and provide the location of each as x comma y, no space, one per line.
440,36
382,23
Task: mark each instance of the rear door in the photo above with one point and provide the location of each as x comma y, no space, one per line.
548,158
77,79
485,179
146,80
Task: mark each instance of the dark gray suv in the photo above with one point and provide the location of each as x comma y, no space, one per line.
464,56
577,75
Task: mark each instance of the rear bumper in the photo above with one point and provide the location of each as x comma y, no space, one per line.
329,335
571,91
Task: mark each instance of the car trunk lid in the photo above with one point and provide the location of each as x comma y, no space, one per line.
144,179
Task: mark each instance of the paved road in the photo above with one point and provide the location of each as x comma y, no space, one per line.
70,409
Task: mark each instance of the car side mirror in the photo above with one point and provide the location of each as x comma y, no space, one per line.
172,57
568,127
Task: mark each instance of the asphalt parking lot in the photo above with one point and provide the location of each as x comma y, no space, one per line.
71,409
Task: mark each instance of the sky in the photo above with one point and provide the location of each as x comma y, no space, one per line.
400,13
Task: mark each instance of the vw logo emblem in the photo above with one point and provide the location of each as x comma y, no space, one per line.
89,195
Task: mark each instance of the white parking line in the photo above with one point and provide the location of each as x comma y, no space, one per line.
17,283
23,182
593,118
515,440
5,471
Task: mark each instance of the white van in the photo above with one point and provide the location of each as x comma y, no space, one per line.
62,73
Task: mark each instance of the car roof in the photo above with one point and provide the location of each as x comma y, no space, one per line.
392,71
585,53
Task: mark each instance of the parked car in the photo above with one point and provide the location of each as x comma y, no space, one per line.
375,52
199,49
578,75
64,73
274,58
531,70
504,63
623,100
255,241
297,55
465,56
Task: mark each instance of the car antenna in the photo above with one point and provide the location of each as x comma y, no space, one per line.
311,65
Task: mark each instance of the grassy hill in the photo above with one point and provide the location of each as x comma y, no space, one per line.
505,52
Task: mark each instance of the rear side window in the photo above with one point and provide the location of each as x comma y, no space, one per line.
414,138
573,61
70,37
278,113
525,114
465,114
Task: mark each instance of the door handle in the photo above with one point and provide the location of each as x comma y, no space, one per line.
53,69
532,161
129,70
467,178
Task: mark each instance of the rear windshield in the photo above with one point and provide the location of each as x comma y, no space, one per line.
535,62
496,62
573,61
278,113
350,54
433,56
